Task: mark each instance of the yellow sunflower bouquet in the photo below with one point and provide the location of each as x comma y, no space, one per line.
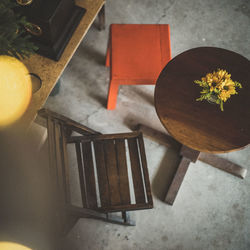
217,87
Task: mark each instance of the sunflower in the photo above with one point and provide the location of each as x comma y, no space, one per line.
227,88
217,87
212,80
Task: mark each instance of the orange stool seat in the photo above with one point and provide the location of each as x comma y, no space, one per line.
136,55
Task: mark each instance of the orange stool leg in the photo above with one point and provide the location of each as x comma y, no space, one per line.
108,56
112,95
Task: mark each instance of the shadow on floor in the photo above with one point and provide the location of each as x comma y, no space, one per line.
146,96
167,167
91,54
165,174
99,98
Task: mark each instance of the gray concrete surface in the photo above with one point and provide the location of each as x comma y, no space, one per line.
212,209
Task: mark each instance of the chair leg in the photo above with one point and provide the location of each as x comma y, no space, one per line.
101,16
78,212
126,218
107,63
112,94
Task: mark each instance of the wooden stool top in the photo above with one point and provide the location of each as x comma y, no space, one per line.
139,52
200,125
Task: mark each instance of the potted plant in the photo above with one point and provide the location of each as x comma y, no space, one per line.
14,40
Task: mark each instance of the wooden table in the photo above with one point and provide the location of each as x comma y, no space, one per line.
49,70
202,128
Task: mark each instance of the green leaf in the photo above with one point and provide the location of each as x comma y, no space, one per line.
221,105
14,40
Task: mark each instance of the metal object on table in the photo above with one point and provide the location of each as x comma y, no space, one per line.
52,23
24,2
34,29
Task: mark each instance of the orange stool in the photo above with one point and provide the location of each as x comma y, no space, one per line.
136,55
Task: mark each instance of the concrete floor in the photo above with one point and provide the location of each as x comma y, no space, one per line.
212,209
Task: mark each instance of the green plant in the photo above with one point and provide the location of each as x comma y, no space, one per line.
217,87
14,40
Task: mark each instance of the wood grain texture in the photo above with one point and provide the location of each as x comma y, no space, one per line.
49,70
189,153
81,175
65,164
122,170
100,137
59,166
71,125
102,174
177,181
112,172
223,164
136,171
145,169
200,125
52,149
89,175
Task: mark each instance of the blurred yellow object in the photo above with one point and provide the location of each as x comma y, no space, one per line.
12,246
15,90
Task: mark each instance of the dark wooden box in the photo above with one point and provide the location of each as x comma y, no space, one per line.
53,23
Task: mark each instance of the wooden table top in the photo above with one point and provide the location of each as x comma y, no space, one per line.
200,125
49,70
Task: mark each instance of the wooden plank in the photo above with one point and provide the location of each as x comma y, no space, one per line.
65,163
87,213
189,153
129,207
223,164
122,171
136,171
67,121
96,137
177,181
101,16
60,178
81,175
89,175
111,166
158,136
52,152
102,174
145,169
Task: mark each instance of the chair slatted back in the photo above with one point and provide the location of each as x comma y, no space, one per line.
59,128
113,172
112,168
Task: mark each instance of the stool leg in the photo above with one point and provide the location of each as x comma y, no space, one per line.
112,95
107,64
101,16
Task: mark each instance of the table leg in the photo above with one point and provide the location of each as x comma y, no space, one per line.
177,181
223,164
101,16
189,155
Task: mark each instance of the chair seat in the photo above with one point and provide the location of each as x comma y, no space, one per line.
136,55
113,172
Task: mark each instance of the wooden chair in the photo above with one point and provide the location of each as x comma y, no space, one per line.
136,55
103,171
